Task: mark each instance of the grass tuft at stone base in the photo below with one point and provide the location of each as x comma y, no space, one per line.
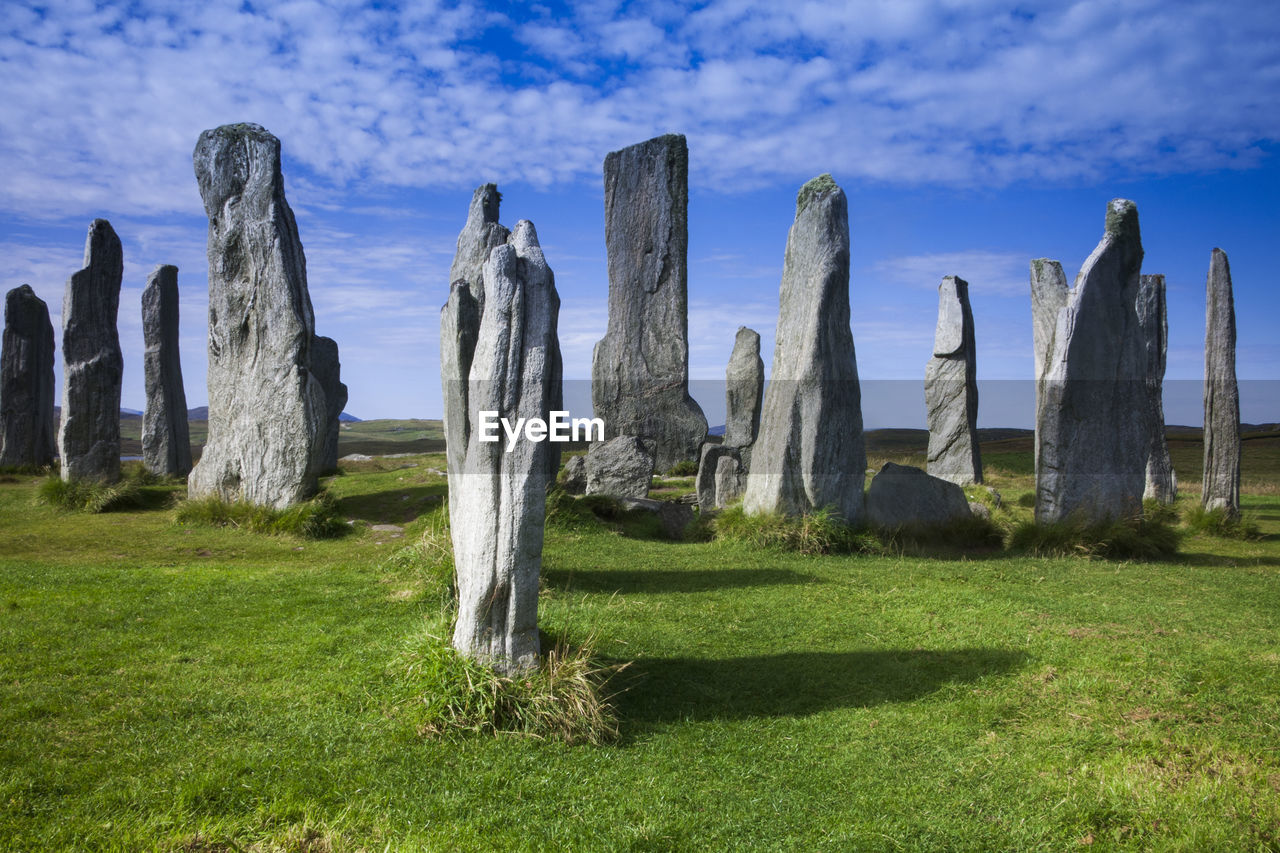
317,518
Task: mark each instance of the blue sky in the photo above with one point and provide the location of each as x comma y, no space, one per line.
969,136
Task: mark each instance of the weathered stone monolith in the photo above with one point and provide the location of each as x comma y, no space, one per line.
497,503
1221,487
1049,292
706,483
744,390
1162,483
267,408
620,467
1094,435
92,366
26,382
811,452
640,368
951,389
904,496
327,368
166,441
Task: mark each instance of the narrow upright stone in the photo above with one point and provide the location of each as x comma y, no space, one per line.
1162,483
477,240
327,368
744,391
640,368
951,389
1221,486
92,366
26,382
166,442
1049,293
811,452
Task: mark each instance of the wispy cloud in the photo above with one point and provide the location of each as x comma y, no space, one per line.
987,272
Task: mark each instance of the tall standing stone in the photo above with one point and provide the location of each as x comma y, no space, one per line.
166,441
1221,486
328,369
718,482
1094,435
26,381
640,368
267,408
92,366
497,504
1162,483
1049,292
951,389
811,452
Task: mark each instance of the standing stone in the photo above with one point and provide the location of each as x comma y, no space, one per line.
92,366
905,496
327,368
26,382
729,481
497,502
166,441
811,452
744,391
620,467
951,389
1094,435
707,483
1221,487
267,409
1049,292
1162,483
640,368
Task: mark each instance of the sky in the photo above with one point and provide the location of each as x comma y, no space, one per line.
970,137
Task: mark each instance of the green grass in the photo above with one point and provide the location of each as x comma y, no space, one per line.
314,519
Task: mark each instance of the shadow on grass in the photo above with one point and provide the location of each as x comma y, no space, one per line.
395,506
1203,560
795,684
671,580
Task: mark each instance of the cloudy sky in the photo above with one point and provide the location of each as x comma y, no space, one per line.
969,136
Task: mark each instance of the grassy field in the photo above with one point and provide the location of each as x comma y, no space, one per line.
187,688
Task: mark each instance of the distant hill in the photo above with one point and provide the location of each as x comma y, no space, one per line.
201,413
350,419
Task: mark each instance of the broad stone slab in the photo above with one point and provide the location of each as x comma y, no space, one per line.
26,381
621,467
1221,485
166,440
951,389
903,496
1162,483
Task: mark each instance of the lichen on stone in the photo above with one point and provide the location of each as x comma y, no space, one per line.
820,185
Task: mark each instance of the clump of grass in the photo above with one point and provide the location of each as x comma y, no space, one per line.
683,468
819,532
1123,539
566,512
1218,522
89,495
431,558
1027,501
317,518
961,534
1154,510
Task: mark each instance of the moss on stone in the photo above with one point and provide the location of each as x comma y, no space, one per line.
820,185
1122,217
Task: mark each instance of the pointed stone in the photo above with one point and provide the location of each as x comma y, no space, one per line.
1162,483
26,382
640,368
266,407
951,389
92,366
481,234
328,369
1221,485
744,394
1049,293
811,451
166,441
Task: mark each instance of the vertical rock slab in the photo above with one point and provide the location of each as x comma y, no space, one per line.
26,381
166,440
951,389
1094,435
497,502
640,368
328,369
811,451
266,407
707,482
1221,487
744,391
92,366
1162,484
1049,292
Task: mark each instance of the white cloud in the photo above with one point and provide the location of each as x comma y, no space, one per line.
987,272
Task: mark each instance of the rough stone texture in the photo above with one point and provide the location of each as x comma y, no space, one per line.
267,409
92,366
575,475
730,481
1049,293
479,237
979,510
1093,426
620,467
1162,484
674,517
497,499
166,442
26,381
951,389
328,369
901,495
744,390
640,368
1221,486
811,452
708,464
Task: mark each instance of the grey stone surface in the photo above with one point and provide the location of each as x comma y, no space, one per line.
497,499
26,381
328,369
811,451
640,368
951,389
267,408
166,440
1049,293
620,467
481,234
1093,430
575,475
674,517
979,510
708,464
92,366
1221,484
744,390
1152,315
901,495
730,480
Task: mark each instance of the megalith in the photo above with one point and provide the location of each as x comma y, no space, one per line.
811,451
267,407
166,441
1162,483
744,396
905,496
327,368
92,366
620,467
1221,485
1093,432
640,368
951,389
26,382
1049,292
